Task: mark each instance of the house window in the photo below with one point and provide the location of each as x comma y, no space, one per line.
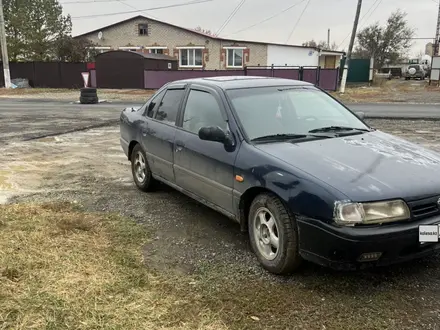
143,29
156,50
234,57
191,57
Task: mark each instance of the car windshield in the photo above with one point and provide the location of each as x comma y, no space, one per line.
286,110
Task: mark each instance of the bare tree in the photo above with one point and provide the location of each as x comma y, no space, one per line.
387,44
321,45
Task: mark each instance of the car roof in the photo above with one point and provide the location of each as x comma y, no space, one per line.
236,82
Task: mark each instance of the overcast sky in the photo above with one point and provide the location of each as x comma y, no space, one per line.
319,16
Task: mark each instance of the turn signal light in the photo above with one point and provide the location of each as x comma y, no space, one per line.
371,256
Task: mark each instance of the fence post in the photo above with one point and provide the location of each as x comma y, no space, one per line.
337,79
272,71
318,76
245,70
301,73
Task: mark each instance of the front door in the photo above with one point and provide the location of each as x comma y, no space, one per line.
330,62
204,168
158,137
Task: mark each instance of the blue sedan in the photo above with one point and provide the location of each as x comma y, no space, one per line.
307,178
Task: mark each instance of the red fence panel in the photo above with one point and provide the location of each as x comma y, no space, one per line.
328,79
286,73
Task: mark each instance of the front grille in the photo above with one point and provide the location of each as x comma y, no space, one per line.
424,208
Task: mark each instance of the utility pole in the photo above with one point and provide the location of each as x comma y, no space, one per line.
4,48
328,38
437,34
350,48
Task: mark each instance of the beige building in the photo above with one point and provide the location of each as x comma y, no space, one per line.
196,50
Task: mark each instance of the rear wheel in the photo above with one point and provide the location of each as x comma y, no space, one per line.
141,171
273,235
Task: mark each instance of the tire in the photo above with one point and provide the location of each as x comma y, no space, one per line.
148,183
88,100
89,94
286,259
88,90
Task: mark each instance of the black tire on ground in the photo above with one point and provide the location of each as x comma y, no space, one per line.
287,259
148,183
88,100
88,90
89,94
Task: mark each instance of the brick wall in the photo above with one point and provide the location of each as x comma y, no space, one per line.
164,35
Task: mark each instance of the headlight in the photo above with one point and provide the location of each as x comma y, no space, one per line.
349,213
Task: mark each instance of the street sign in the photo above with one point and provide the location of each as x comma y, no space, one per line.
85,76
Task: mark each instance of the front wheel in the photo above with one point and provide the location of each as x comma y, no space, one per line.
273,235
141,171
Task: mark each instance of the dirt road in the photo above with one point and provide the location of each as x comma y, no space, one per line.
90,168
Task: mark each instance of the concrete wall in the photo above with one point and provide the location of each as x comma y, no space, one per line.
292,56
164,35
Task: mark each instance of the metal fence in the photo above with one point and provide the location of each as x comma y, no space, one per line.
68,75
48,74
325,78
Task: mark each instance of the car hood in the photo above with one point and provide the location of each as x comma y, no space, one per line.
365,167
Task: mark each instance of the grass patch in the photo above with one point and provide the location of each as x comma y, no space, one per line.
63,268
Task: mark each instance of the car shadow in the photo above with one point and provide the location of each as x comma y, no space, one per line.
217,233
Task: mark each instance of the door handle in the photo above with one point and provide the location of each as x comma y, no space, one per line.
179,146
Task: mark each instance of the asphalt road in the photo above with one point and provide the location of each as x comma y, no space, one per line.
407,111
30,119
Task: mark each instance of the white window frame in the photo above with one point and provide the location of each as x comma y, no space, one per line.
151,49
188,48
131,49
227,57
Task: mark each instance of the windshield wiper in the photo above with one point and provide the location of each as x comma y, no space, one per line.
288,137
337,129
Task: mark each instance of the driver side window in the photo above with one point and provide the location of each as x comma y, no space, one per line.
202,109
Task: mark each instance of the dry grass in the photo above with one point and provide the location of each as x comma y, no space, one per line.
61,268
73,94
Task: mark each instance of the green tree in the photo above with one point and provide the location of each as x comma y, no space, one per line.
387,44
68,49
33,27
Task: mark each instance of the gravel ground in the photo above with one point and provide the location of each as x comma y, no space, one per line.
393,91
89,167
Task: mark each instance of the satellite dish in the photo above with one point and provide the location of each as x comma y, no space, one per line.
99,35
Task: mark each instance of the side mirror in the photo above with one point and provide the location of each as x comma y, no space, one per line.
216,134
360,115
212,133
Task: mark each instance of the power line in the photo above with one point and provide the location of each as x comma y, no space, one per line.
375,2
133,7
299,18
230,17
266,19
146,9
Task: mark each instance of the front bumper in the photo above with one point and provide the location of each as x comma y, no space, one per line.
340,248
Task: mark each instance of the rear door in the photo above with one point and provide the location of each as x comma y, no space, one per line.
158,136
201,167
